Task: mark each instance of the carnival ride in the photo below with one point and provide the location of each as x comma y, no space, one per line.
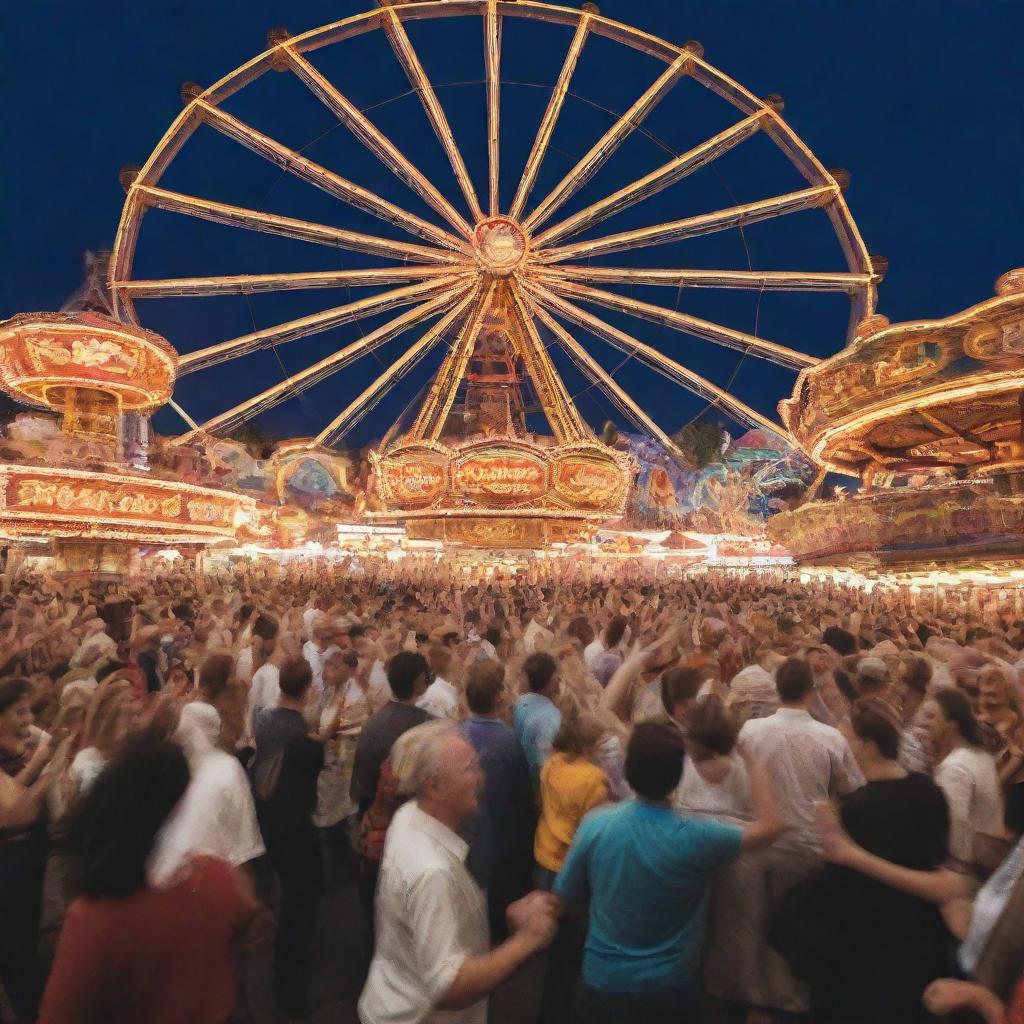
931,411
503,281
96,373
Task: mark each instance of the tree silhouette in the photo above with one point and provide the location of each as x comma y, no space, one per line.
700,443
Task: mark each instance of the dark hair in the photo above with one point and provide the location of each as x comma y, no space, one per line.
265,627
711,725
539,669
244,612
654,759
403,671
872,720
679,686
616,630
183,611
485,683
215,673
356,631
918,674
793,680
12,690
296,677
581,629
842,641
956,707
110,833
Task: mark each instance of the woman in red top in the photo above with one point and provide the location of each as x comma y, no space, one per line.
129,952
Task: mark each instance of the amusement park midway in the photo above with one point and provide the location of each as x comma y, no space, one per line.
517,515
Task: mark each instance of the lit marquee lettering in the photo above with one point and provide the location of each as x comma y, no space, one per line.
501,477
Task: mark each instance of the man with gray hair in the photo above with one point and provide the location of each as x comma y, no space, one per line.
433,960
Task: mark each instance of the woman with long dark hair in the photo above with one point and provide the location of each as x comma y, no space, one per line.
130,952
966,772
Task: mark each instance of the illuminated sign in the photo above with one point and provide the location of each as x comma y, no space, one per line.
588,483
500,478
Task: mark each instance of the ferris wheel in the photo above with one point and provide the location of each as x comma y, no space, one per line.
580,265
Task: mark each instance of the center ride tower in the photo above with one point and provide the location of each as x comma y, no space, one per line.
468,469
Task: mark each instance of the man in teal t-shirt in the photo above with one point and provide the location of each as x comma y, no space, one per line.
645,869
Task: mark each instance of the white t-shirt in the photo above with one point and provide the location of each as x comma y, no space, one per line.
216,817
378,688
85,769
592,652
730,796
440,698
969,780
243,666
265,688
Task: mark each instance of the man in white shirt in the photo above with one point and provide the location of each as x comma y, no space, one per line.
433,962
808,762
317,651
441,698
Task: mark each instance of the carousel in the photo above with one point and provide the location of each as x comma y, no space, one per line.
82,500
928,416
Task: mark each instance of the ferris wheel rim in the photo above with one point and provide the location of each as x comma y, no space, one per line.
556,277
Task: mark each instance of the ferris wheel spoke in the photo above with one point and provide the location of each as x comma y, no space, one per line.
364,402
298,382
689,227
566,422
550,119
373,138
323,179
599,376
590,164
759,280
687,324
661,178
437,404
290,227
249,284
316,323
184,415
410,62
654,359
492,63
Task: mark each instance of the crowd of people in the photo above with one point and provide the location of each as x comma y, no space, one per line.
709,798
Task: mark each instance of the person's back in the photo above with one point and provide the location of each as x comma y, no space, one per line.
375,742
656,863
535,717
808,761
163,956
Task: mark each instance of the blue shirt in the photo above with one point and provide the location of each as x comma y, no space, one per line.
646,871
501,835
535,720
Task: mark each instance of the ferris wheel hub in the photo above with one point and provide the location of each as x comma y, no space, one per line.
500,245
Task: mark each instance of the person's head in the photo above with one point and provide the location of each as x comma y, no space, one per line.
950,720
793,681
110,833
915,673
872,676
578,735
266,628
440,660
485,688
654,760
581,630
615,631
711,729
15,709
110,715
842,641
679,689
295,679
214,675
541,671
437,765
819,661
407,675
874,731
993,688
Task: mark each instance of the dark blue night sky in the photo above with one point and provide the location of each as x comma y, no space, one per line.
921,101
